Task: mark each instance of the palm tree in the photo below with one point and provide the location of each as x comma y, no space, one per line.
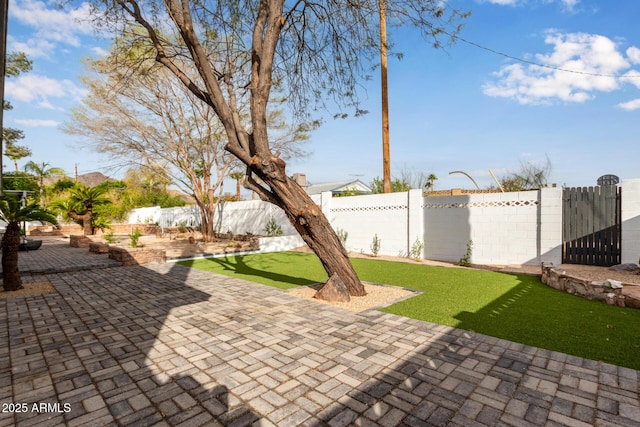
82,201
431,181
41,171
79,206
238,175
13,213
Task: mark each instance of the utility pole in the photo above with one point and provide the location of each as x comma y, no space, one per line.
76,171
4,13
386,158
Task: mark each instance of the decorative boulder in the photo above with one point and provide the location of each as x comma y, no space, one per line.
334,290
625,267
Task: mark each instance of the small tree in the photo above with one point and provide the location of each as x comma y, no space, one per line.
16,63
531,176
16,152
430,182
312,54
237,176
42,171
397,185
13,214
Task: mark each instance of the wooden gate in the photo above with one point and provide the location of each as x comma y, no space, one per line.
591,225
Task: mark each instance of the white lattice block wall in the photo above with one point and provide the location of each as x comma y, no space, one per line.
502,226
365,216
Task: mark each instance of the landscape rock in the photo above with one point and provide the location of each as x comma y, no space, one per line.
613,284
334,290
625,267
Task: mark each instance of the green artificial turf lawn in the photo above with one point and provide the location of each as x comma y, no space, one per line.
514,307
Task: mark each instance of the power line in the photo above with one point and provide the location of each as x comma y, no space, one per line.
526,61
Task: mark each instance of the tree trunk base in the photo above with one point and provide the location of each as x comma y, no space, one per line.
334,290
12,288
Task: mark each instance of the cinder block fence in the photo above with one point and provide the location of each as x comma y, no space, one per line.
504,228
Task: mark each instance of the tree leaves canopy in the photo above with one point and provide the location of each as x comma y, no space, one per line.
324,49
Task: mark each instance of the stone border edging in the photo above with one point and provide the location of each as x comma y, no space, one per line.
592,290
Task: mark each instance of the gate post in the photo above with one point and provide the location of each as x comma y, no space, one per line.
630,220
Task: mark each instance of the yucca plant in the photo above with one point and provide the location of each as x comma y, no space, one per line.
13,213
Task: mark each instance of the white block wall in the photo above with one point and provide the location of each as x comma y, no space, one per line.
550,226
506,228
630,220
365,216
250,216
502,226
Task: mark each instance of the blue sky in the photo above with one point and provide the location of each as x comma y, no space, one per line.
575,100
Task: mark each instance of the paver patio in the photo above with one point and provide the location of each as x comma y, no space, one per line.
167,345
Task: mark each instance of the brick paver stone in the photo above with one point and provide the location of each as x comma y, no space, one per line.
167,345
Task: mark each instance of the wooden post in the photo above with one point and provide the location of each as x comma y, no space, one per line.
386,161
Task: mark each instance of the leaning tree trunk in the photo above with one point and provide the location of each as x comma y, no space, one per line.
11,280
314,228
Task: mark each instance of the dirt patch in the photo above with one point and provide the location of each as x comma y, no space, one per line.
33,288
378,296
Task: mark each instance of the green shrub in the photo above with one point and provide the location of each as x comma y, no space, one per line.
135,236
375,245
273,228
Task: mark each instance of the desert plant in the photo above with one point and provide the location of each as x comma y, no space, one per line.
375,245
465,261
416,249
342,235
182,227
13,213
108,237
135,236
273,228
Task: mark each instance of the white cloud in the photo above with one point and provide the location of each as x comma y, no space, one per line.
39,89
53,26
100,52
633,53
632,77
37,123
579,66
630,105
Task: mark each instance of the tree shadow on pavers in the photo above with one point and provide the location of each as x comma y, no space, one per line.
116,346
406,372
432,376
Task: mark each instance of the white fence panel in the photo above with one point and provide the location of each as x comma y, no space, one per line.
188,216
144,215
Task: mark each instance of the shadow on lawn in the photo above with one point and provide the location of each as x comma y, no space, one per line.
534,314
238,265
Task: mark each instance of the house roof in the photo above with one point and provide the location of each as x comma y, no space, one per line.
339,187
